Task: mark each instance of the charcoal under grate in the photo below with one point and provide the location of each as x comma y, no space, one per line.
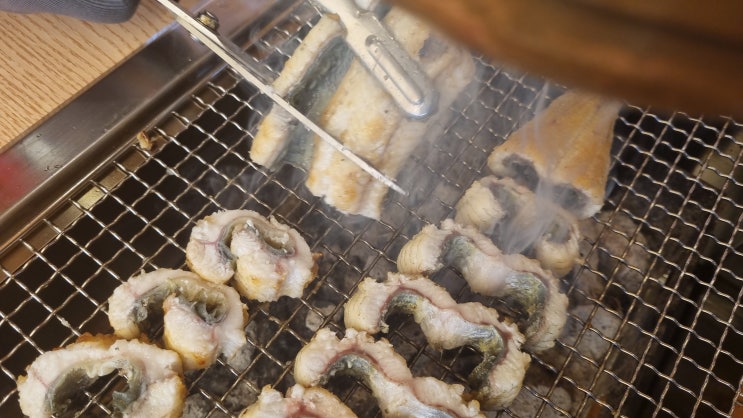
654,324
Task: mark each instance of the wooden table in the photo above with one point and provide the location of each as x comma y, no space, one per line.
48,59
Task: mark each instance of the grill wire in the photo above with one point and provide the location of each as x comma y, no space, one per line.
655,316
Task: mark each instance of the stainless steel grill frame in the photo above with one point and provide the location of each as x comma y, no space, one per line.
671,344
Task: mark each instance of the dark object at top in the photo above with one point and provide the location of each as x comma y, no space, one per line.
102,11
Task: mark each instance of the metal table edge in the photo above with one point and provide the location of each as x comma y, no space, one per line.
105,117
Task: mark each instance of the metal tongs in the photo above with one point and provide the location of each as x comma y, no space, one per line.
383,56
373,45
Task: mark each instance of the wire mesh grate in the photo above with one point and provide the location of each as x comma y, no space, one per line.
655,317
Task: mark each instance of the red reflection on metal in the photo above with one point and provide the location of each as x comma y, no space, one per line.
13,185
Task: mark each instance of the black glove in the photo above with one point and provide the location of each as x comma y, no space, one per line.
103,11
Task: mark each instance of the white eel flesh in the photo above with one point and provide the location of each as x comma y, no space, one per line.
200,319
154,378
385,372
447,325
529,293
266,258
300,402
517,220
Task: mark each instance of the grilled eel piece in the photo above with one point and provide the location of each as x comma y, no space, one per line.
154,378
528,293
359,112
447,325
384,372
518,221
564,152
299,402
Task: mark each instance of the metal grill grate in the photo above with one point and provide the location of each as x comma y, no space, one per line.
655,320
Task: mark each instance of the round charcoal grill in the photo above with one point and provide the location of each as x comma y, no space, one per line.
654,320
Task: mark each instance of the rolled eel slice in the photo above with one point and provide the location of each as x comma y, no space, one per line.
154,378
324,81
384,371
519,221
267,258
273,260
208,250
528,292
200,319
447,325
565,150
299,402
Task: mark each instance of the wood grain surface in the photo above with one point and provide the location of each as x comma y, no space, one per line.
46,60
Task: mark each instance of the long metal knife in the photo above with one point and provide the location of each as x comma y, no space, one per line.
204,29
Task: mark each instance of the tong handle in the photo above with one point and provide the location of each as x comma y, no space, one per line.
383,56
